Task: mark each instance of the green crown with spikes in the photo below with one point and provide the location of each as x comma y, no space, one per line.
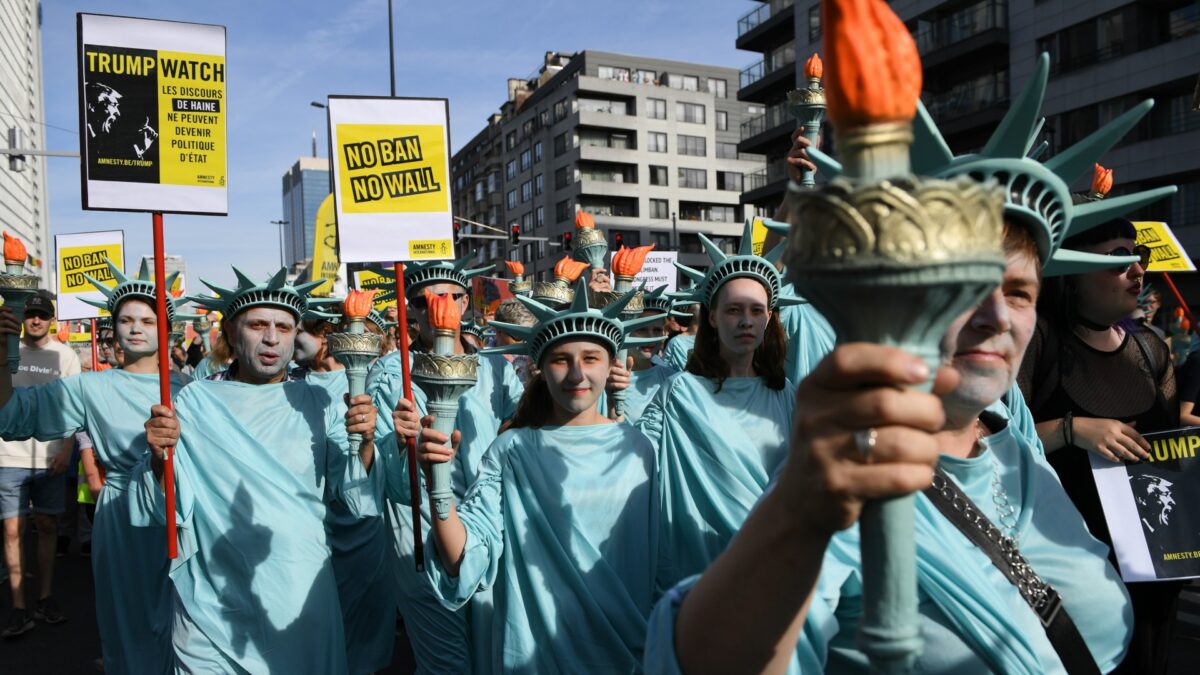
418,275
472,328
658,300
374,316
140,287
1037,194
274,292
744,264
578,321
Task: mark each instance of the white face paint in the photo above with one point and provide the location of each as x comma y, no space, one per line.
263,339
136,329
307,347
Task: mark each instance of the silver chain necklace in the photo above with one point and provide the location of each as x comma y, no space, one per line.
1006,514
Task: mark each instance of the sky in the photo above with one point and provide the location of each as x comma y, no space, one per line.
284,54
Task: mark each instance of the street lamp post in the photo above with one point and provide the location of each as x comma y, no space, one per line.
280,223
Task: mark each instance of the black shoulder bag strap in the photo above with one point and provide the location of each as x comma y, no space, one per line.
1155,368
1042,598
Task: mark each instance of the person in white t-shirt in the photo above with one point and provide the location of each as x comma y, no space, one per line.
33,473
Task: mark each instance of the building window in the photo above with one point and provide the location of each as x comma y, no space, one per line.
564,177
613,73
658,175
492,179
563,142
526,222
693,178
727,151
510,141
692,113
538,184
814,23
660,208
539,216
656,142
645,76
512,199
479,191
527,191
689,242
718,87
527,128
693,146
526,159
722,120
656,108
510,169
729,180
564,210
684,82
537,151
560,110
544,118
661,239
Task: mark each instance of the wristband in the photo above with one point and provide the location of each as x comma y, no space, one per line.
1068,424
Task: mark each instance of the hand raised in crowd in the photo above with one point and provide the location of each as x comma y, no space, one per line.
8,323
861,388
432,448
797,157
406,421
61,461
618,375
1111,439
360,417
599,282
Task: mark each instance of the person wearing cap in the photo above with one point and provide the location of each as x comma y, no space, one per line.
257,454
129,564
563,520
859,435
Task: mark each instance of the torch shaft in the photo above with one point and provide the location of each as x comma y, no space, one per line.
414,485
164,376
356,379
441,492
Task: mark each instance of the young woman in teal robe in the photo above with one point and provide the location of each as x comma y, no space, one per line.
563,519
129,564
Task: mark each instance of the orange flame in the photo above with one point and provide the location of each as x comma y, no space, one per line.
443,311
813,67
515,267
629,261
1102,180
14,250
584,220
357,304
874,70
569,270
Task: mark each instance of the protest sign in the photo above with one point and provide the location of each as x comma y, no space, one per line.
659,270
152,115
1153,507
391,178
365,280
487,293
85,253
325,257
758,236
1166,255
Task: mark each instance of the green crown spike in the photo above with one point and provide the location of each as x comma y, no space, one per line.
274,292
657,300
1037,131
744,264
140,287
1012,137
1078,159
579,321
418,275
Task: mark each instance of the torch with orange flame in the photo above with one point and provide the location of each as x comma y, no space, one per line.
354,346
808,107
887,258
560,292
444,376
627,263
16,288
519,285
590,245
1102,182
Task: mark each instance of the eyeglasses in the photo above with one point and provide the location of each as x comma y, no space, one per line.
420,303
1142,252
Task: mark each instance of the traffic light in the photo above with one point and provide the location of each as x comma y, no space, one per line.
566,241
516,234
457,233
618,241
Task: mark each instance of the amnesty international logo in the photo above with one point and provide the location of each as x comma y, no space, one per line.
387,168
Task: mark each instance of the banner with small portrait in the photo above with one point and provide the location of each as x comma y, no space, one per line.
79,256
1166,254
152,115
1153,507
487,293
391,178
325,255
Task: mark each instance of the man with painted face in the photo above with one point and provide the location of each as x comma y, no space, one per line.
256,455
129,564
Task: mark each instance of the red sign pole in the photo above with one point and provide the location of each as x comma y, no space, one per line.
413,484
164,376
95,350
1182,304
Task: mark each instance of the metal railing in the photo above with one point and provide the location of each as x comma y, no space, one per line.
759,16
765,67
775,171
776,115
969,97
963,24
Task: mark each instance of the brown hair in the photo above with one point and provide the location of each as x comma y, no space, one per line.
769,357
535,405
1018,239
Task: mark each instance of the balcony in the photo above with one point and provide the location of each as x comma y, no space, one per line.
980,18
777,69
758,27
969,98
763,131
765,185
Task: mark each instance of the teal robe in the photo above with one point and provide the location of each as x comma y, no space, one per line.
643,387
810,338
718,452
562,522
206,369
255,590
129,564
678,349
365,581
973,619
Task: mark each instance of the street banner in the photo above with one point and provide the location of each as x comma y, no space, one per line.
152,115
487,293
325,257
1166,255
659,270
365,280
1153,507
80,254
391,178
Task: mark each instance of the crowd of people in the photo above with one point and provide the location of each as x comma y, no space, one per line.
673,489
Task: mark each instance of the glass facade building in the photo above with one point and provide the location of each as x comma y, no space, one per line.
305,186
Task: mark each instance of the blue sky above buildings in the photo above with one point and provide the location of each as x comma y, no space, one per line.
284,54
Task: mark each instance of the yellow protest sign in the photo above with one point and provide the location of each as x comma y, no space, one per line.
391,168
1166,255
86,253
366,280
758,236
325,258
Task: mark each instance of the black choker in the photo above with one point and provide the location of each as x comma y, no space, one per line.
1092,325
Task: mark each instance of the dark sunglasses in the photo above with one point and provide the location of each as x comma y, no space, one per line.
420,303
1142,252
35,314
